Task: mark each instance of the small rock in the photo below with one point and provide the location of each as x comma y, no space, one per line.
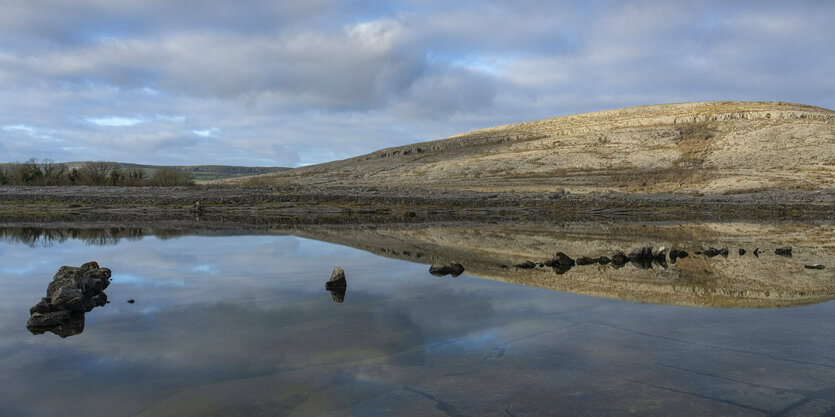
741,252
453,268
757,252
603,260
563,260
784,251
525,265
337,279
586,260
813,266
131,301
619,258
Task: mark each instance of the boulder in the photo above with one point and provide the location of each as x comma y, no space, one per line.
71,293
563,260
619,258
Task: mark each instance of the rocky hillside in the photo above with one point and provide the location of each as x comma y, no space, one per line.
716,147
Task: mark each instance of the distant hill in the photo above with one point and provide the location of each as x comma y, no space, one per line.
716,147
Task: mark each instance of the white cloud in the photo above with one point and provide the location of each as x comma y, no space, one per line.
206,132
114,121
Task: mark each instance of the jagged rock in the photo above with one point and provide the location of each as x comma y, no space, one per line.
741,252
814,266
525,265
453,268
660,254
72,292
337,279
586,260
757,252
784,251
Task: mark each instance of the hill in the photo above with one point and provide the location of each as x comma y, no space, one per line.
202,173
715,147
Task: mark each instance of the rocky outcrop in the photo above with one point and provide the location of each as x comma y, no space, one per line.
72,292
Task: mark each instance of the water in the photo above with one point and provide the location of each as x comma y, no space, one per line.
242,325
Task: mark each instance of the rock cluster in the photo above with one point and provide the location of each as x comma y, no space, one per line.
72,292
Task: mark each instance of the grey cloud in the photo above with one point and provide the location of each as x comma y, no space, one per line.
303,82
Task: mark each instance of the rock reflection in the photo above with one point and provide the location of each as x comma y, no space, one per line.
660,269
72,293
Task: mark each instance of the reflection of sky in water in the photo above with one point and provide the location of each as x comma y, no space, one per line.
244,324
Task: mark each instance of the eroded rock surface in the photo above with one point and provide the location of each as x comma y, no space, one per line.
72,292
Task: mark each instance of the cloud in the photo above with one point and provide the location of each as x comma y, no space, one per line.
114,121
326,79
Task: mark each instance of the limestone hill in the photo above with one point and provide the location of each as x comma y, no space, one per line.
717,147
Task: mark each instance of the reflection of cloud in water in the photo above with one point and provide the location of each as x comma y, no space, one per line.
138,281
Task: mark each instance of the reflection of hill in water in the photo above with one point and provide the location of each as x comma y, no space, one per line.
736,281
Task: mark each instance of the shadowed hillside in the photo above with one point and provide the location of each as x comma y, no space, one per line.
715,147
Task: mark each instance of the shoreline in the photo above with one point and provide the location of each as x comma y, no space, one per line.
229,207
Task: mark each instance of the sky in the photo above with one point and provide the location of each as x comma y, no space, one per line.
290,83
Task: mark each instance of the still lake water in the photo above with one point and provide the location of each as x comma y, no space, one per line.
242,325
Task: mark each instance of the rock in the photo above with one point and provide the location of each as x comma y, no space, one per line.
562,263
641,254
682,254
711,252
453,268
814,266
525,265
562,259
603,260
784,251
337,280
741,252
757,252
660,254
586,260
619,258
71,293
131,301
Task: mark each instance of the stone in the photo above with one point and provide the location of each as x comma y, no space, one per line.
586,260
525,265
603,260
711,252
814,266
563,260
784,251
71,293
337,280
453,268
619,258
741,252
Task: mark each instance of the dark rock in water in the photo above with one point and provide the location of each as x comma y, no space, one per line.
503,266
660,254
540,264
603,260
682,254
784,251
562,263
814,266
741,252
562,259
131,301
757,252
586,260
711,252
619,259
525,265
337,285
337,279
72,292
453,268
641,254
673,255
550,263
